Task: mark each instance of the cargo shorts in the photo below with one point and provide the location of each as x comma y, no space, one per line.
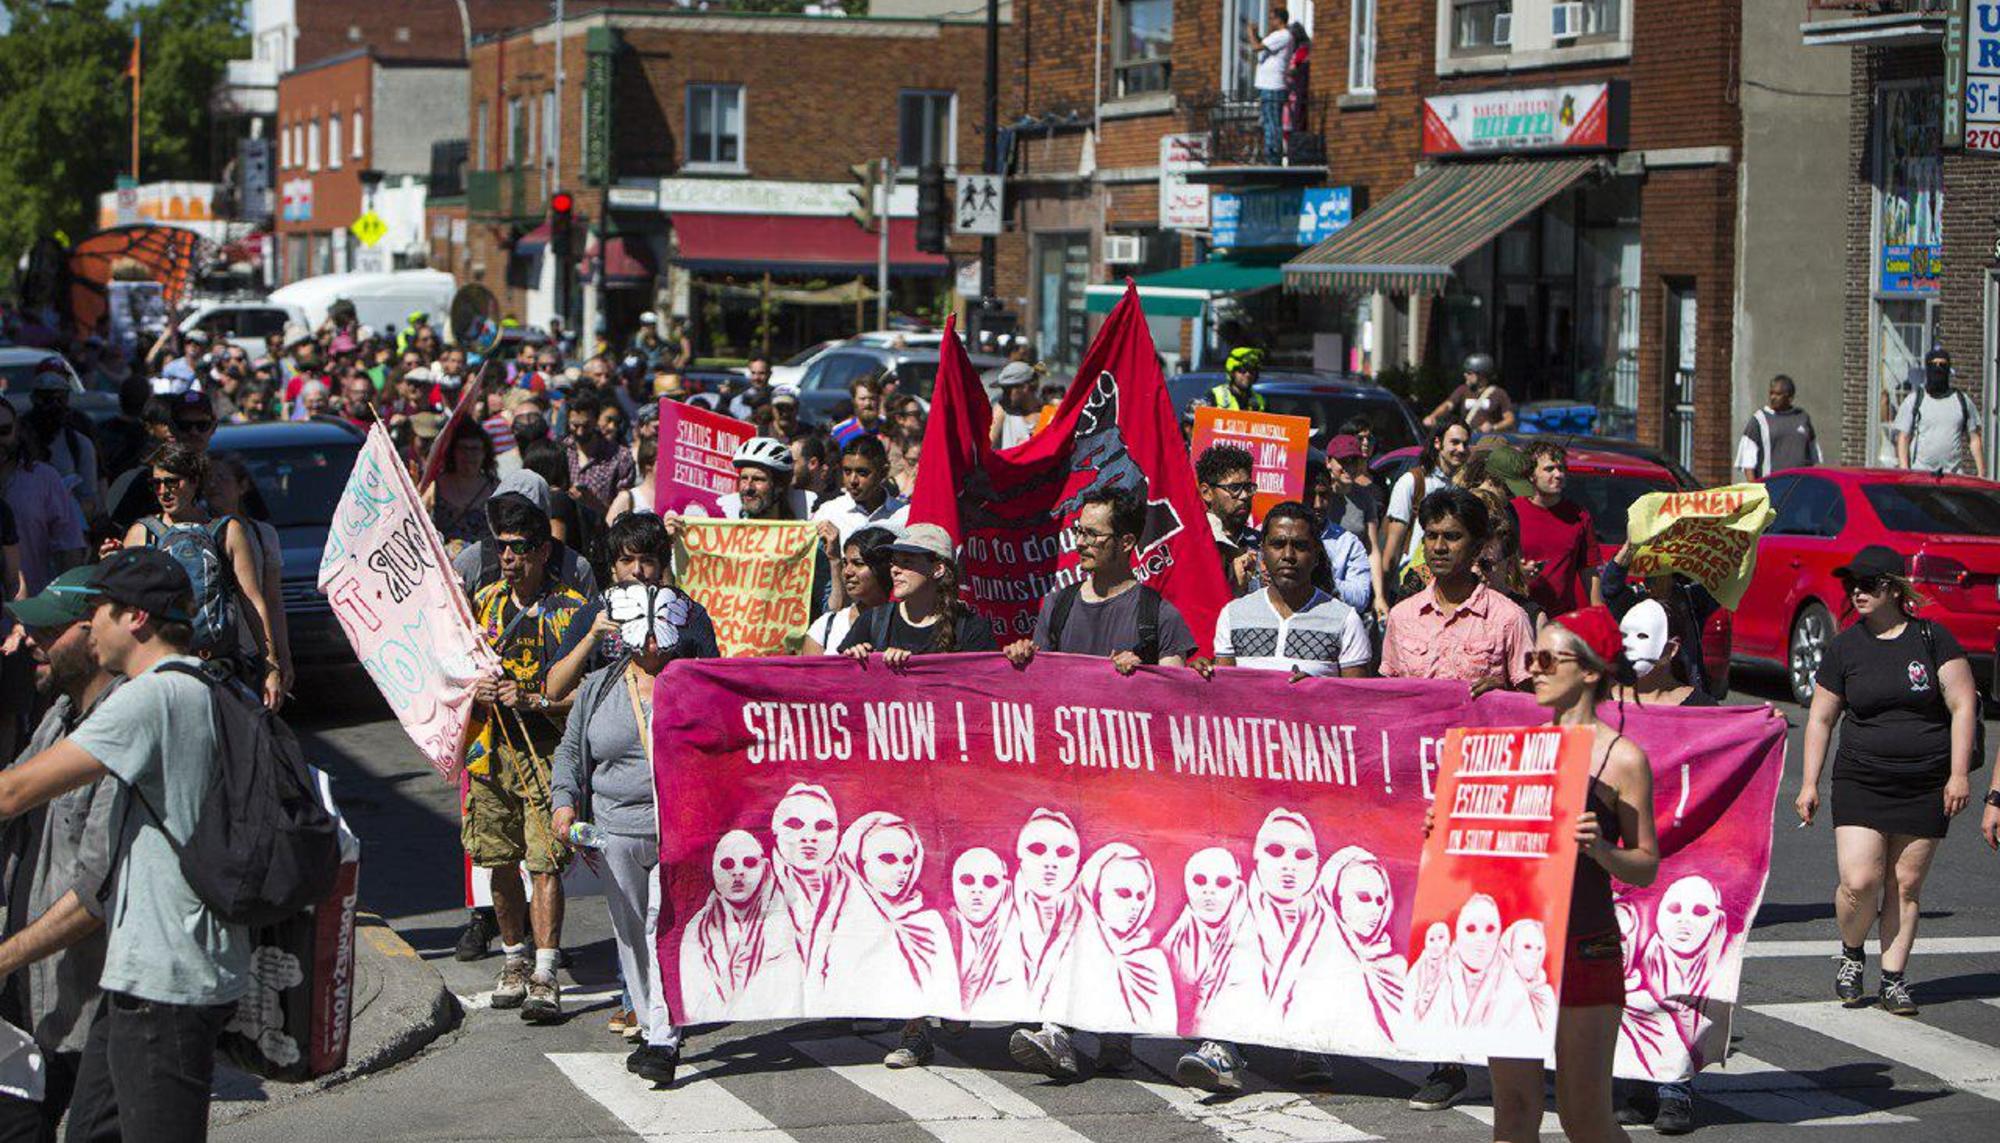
504,816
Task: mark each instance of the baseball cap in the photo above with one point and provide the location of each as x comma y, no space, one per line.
1345,446
148,579
784,394
924,540
1872,562
198,336
50,377
1015,373
1509,466
67,599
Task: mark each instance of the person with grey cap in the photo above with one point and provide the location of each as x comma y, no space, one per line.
478,563
1480,400
784,413
1016,411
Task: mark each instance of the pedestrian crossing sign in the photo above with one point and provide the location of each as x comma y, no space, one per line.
976,207
369,228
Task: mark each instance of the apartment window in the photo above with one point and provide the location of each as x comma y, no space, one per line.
531,140
1245,23
285,149
1481,25
479,127
333,142
715,125
549,140
513,140
1141,45
312,145
924,122
1601,18
354,128
1361,47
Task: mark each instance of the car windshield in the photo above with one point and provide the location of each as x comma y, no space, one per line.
300,485
1952,511
1328,411
1609,497
916,377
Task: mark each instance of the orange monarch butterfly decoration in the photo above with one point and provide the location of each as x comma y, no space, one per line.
169,255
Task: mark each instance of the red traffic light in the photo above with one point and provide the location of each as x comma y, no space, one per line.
561,202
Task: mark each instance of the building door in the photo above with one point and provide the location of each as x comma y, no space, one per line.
1679,336
1904,330
1062,270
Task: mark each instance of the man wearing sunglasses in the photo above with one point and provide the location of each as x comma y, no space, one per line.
1227,486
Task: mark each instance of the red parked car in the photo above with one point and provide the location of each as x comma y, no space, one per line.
1948,527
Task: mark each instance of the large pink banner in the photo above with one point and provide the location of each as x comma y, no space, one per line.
1227,859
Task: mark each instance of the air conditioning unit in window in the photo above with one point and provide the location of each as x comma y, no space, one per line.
1124,249
1503,30
1566,20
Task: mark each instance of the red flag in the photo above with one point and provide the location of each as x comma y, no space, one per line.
1010,510
441,447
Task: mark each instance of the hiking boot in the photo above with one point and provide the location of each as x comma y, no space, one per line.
475,941
1896,999
544,1001
1114,1051
1311,1069
1442,1088
513,985
1847,980
654,1063
622,1022
915,1051
1676,1115
1047,1050
1212,1067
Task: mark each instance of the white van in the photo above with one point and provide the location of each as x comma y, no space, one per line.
381,301
243,324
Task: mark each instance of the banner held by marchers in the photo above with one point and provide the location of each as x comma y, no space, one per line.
755,577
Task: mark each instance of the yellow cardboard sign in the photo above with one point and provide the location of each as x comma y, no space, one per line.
1709,535
755,577
369,228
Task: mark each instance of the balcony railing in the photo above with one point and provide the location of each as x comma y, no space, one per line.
1877,8
1882,23
515,193
1236,132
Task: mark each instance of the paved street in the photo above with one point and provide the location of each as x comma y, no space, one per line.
1800,1060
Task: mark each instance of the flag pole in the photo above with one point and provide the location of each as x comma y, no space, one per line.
135,103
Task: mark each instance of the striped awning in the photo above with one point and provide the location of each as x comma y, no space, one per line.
1408,243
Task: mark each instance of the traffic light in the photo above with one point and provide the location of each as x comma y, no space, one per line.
933,205
562,217
561,205
867,176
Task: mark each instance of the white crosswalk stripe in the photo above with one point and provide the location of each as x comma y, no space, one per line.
688,1112
1960,1062
1766,1093
1259,1115
945,1099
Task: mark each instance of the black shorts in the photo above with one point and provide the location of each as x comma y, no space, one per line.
1909,803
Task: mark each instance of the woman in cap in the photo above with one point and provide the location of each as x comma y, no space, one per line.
1018,407
1903,769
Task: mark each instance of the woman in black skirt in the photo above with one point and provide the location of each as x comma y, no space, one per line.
1903,768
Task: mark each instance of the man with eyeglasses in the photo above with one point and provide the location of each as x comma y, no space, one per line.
1225,473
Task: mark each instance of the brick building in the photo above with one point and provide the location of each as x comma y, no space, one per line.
709,158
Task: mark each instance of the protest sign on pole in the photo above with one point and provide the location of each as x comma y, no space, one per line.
755,577
1010,510
1709,535
694,466
1492,907
385,574
1277,445
1229,859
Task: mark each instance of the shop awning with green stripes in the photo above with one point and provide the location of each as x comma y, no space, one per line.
1186,291
1409,242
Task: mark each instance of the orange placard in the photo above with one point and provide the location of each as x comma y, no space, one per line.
1277,445
1491,919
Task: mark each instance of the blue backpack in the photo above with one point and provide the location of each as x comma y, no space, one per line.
199,549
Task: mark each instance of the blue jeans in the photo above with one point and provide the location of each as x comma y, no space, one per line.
1271,112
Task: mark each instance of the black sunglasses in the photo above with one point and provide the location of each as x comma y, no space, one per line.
518,547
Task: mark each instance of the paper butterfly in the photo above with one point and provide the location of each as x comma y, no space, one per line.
641,609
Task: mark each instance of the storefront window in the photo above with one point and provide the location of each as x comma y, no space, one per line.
1904,329
1062,270
1909,235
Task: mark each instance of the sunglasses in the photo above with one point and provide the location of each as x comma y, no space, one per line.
195,426
1543,662
1874,586
170,481
518,547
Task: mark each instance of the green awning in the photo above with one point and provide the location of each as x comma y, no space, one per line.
1187,291
1408,243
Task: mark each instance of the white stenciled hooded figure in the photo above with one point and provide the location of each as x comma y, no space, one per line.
1645,1031
1645,631
1210,945
1046,911
738,958
806,828
1427,975
1120,982
1684,956
992,980
1481,990
1525,945
1283,907
882,952
1353,966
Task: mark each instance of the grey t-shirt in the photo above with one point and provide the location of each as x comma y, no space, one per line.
157,735
1351,513
621,787
1941,429
1110,626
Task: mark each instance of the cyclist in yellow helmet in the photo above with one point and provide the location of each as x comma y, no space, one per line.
1238,393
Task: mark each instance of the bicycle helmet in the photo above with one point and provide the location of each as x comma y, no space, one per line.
765,452
1480,365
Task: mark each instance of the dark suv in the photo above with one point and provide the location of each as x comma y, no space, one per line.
1328,400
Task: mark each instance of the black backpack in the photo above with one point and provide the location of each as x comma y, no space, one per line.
1148,649
263,847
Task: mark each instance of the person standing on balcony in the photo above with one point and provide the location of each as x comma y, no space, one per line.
1274,56
1298,85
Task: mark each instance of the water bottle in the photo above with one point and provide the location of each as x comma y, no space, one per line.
586,835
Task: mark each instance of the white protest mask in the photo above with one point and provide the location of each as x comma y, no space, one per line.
643,609
1645,630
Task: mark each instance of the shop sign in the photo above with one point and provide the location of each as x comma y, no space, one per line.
1287,216
633,198
1981,71
1183,205
1533,119
600,47
295,200
1909,189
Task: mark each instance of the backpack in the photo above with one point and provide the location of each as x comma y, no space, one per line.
263,847
1148,648
199,549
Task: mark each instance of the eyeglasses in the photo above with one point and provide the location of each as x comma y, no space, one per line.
1087,537
1543,662
1239,489
518,547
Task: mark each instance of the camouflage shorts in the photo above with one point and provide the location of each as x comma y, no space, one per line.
504,817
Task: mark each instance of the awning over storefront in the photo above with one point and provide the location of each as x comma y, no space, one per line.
796,244
1186,291
627,260
1409,243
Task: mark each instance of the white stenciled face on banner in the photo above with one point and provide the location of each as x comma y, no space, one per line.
806,829
1477,935
1363,896
1124,896
1645,631
978,882
1287,858
1047,851
1212,879
889,859
1531,949
738,866
1437,940
1690,910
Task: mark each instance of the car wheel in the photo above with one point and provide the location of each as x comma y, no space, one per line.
1811,632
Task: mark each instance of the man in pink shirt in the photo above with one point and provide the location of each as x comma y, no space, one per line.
1457,628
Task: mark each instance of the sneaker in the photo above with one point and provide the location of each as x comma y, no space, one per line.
1211,1067
1896,999
1114,1051
1442,1088
653,1063
1311,1069
622,1022
544,1001
513,985
1641,1105
475,941
915,1051
1676,1115
1847,980
1047,1051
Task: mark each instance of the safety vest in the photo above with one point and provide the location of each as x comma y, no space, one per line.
1224,397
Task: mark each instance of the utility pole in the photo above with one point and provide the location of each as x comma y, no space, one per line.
555,127
988,246
888,185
